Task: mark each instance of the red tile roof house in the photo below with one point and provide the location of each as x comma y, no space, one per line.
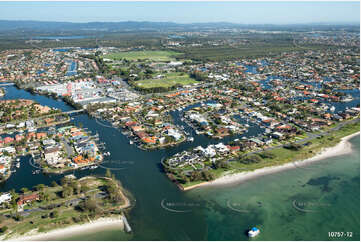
40,135
19,137
8,140
130,123
2,168
24,199
233,149
31,135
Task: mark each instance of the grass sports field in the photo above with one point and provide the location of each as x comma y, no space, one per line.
151,55
170,79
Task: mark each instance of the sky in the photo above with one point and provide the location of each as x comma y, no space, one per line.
185,12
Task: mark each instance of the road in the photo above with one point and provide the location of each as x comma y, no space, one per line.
69,149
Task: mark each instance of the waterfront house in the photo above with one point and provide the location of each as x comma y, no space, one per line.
31,135
2,169
40,135
51,155
24,199
5,197
277,135
149,140
8,140
233,149
80,160
19,137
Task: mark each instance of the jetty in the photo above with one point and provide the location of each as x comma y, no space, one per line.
127,227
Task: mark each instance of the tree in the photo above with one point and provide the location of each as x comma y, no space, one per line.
54,184
207,175
293,146
3,229
57,139
84,188
266,154
24,190
14,197
39,187
64,181
183,178
54,214
44,196
250,159
90,205
67,191
76,186
195,176
18,217
221,164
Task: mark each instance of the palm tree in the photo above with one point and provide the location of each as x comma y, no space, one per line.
39,187
24,190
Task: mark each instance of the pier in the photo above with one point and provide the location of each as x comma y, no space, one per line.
127,227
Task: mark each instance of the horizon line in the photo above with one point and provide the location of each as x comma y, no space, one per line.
208,22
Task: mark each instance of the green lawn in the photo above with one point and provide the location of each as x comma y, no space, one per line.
135,55
169,80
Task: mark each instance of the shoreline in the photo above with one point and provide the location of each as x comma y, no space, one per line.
343,147
100,224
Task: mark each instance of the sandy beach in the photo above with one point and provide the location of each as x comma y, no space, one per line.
343,147
100,224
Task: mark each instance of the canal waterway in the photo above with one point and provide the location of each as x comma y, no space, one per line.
327,192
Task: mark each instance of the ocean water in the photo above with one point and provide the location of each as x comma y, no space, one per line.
305,203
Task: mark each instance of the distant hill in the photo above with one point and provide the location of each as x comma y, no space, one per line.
41,26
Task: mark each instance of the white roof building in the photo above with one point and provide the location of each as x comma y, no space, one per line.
5,197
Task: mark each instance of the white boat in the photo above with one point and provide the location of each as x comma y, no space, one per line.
17,159
18,165
131,142
348,98
190,139
253,232
332,109
93,167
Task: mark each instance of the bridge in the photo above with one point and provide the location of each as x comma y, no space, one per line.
75,111
6,84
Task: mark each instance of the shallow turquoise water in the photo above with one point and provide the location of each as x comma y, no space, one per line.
298,204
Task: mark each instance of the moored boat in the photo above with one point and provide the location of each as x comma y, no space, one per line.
253,232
